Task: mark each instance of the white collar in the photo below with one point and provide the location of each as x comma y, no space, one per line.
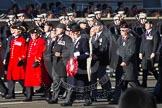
59,36
47,33
149,30
99,33
16,37
77,39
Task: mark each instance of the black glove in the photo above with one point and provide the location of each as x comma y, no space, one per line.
20,63
35,64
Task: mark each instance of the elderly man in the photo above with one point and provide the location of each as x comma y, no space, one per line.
35,74
80,50
99,60
61,51
16,66
126,62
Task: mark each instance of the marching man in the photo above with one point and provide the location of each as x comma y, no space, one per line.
35,72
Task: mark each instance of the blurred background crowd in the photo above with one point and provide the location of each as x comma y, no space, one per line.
56,9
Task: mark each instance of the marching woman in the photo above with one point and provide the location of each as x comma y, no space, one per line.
35,72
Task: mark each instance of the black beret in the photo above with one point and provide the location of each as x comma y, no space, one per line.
149,22
75,28
124,25
98,23
48,24
63,26
18,26
35,30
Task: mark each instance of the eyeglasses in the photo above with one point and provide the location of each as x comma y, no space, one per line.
75,33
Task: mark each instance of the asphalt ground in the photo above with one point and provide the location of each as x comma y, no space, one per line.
39,101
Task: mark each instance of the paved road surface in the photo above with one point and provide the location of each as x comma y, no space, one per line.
39,102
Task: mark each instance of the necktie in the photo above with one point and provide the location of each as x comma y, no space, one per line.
59,38
74,42
96,37
147,34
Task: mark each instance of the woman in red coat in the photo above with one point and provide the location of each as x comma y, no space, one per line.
16,67
35,72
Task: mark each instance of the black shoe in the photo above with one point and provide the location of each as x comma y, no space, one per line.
48,99
9,97
87,102
94,100
66,104
144,85
52,101
27,100
3,95
113,102
41,90
109,97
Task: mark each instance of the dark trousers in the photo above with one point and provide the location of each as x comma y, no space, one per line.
145,72
103,80
58,86
121,87
118,77
29,92
76,84
3,88
11,86
158,88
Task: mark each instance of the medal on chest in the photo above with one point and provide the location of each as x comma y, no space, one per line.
149,37
34,43
123,43
48,42
17,43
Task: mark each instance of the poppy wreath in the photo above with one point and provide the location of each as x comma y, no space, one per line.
72,66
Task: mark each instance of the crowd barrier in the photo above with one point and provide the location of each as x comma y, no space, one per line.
107,21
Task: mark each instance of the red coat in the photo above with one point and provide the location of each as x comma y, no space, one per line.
17,50
36,76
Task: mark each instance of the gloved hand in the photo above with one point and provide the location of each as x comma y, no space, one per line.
36,64
20,62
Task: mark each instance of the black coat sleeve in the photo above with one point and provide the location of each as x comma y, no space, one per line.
85,50
156,42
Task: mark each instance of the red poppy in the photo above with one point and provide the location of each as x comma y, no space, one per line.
125,38
72,67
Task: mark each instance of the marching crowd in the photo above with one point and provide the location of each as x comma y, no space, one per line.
70,57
